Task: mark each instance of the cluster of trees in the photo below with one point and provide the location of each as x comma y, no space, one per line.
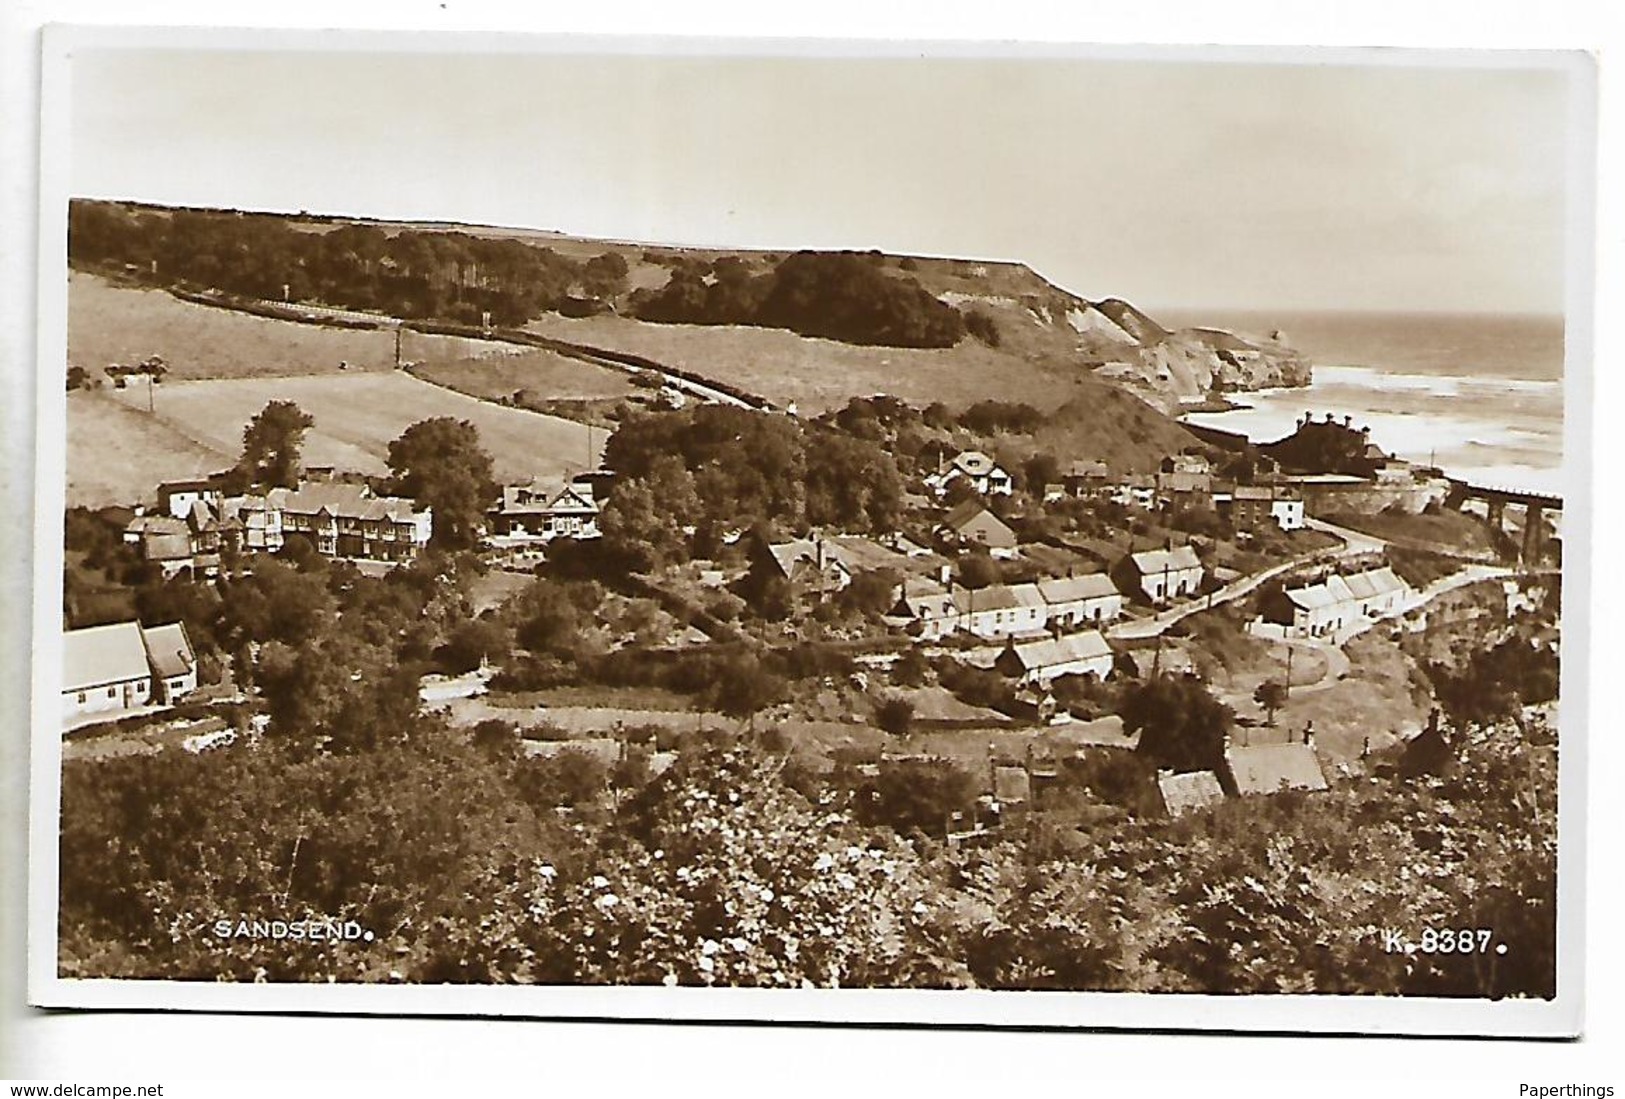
687,478
736,867
407,272
847,296
1494,683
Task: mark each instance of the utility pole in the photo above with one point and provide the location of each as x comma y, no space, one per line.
398,330
1288,691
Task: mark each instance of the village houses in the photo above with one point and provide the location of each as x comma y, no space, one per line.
814,567
197,522
542,510
974,468
1041,662
1075,601
1252,507
971,524
1331,605
927,610
124,666
1002,610
1161,575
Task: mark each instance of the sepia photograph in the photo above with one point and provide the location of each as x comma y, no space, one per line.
559,526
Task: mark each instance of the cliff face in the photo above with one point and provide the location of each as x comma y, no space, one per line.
1112,339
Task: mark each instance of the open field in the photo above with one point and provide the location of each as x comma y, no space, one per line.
108,324
118,452
818,374
544,375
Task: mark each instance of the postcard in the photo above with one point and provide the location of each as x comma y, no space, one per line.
852,532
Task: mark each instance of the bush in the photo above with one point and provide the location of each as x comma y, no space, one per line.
895,715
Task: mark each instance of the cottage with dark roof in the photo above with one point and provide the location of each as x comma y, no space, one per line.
1043,661
813,566
925,610
971,524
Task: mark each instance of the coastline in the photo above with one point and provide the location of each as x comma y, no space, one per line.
1485,429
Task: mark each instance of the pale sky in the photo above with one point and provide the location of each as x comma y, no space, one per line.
1173,184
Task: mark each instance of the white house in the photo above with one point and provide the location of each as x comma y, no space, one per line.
1160,575
1041,662
980,471
542,510
1002,610
926,610
1078,600
123,666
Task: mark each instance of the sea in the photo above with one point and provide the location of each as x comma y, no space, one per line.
1480,396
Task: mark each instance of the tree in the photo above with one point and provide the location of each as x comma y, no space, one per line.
440,462
272,442
910,669
1271,695
1180,724
604,276
977,569
895,715
910,795
743,687
472,643
1040,470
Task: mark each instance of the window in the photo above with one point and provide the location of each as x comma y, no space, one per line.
112,692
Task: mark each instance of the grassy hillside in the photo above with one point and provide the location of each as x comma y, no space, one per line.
109,323
118,452
821,374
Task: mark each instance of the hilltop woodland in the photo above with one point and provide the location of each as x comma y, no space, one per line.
747,860
461,278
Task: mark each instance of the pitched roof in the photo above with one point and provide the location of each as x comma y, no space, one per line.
974,462
926,599
805,551
1360,585
101,655
169,650
1385,580
1053,652
1268,768
1072,589
998,597
1192,790
1089,470
971,516
1180,557
342,500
